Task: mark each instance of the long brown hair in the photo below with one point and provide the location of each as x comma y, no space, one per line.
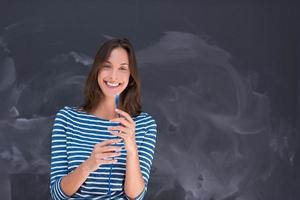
130,98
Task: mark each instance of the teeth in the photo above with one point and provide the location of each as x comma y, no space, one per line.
112,84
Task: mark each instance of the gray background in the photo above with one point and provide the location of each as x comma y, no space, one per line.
219,77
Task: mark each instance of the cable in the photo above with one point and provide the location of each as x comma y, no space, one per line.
109,186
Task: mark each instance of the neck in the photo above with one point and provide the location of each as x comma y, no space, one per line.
105,108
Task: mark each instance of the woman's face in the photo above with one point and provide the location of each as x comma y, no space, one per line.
114,75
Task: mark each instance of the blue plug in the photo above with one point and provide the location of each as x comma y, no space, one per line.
117,100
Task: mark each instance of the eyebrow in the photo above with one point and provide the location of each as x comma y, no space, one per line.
121,63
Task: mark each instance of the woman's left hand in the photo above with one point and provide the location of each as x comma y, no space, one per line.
126,130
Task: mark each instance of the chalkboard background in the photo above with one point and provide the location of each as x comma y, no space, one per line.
219,77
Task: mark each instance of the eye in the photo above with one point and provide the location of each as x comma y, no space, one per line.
106,66
123,68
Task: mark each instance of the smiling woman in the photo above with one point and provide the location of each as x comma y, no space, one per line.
114,73
97,150
114,62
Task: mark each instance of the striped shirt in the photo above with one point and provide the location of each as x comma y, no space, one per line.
74,135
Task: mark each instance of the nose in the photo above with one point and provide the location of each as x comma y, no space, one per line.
114,74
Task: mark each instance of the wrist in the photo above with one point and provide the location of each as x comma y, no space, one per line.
132,149
85,167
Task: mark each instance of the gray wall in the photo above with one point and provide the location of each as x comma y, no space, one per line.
219,77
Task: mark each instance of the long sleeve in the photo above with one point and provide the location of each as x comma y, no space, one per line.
59,164
146,153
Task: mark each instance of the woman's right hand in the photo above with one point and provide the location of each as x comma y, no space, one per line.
103,153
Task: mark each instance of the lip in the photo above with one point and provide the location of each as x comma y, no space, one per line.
111,87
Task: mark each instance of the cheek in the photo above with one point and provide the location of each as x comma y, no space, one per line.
99,80
126,76
101,76
126,80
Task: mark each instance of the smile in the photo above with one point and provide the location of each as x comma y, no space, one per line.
112,85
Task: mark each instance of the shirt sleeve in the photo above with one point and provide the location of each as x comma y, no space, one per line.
146,153
59,164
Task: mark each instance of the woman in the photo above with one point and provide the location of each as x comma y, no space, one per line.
98,151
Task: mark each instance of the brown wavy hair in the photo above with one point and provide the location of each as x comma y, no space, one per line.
130,98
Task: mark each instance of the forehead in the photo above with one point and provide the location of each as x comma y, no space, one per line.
118,55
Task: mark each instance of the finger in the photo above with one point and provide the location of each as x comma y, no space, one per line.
108,161
108,155
122,121
120,134
110,148
108,142
125,114
120,128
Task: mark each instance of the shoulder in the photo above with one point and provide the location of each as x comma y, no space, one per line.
63,112
146,120
144,117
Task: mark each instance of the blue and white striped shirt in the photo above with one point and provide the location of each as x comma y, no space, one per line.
74,135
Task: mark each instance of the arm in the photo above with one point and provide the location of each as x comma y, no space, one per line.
138,164
62,184
59,164
134,182
72,182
